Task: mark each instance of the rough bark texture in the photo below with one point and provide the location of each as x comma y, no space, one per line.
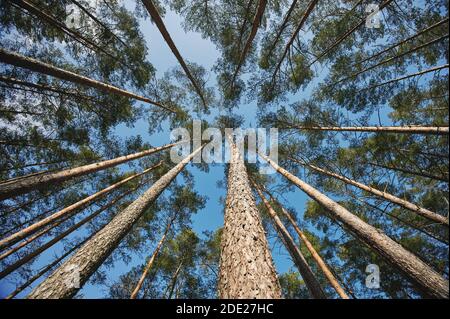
67,211
246,266
89,257
302,265
162,29
24,185
320,262
45,68
408,129
393,199
150,262
423,276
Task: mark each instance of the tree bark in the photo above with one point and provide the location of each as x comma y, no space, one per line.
89,257
315,255
393,199
308,276
150,262
162,29
68,211
24,185
246,266
174,280
48,69
422,275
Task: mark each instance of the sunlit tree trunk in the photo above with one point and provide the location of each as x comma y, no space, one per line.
246,267
92,254
423,276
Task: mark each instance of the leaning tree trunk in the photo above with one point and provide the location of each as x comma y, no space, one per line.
302,265
174,280
422,275
407,129
90,257
150,262
393,199
246,266
315,255
162,29
15,187
67,211
48,69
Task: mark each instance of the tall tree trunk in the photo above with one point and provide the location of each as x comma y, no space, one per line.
422,275
46,269
162,29
89,257
305,16
302,265
244,23
409,172
173,281
26,184
393,199
23,260
48,69
408,129
256,22
68,211
150,262
315,255
246,266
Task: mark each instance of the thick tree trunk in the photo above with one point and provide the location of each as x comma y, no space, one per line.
89,257
315,255
246,266
58,238
302,265
162,29
422,275
409,129
393,199
68,211
26,184
45,68
256,22
150,262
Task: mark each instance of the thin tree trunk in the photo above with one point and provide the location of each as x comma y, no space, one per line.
150,262
68,211
174,280
315,255
244,23
305,16
5,272
256,22
48,69
89,257
347,34
393,199
431,27
24,185
422,275
408,129
308,276
246,266
162,29
46,269
409,172
282,27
